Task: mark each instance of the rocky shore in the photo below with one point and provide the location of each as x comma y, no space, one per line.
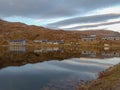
107,80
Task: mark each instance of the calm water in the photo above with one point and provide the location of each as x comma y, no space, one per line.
28,68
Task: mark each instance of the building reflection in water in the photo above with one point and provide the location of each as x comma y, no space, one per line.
56,67
106,48
48,49
88,53
17,48
44,68
100,54
110,54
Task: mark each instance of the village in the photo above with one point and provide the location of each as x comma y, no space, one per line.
88,38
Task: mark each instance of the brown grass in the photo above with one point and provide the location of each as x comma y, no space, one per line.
106,81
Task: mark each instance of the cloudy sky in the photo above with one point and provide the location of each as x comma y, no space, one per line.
64,14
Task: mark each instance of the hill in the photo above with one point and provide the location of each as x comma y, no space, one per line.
17,30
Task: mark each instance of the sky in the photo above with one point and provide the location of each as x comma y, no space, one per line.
64,14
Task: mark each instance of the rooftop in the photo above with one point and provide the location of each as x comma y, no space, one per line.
22,40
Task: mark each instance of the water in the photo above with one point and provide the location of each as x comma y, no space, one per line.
37,68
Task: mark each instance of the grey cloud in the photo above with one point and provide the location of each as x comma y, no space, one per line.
96,25
86,19
51,8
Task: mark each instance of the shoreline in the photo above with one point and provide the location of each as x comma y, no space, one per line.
107,80
81,45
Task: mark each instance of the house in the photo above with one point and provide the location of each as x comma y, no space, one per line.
40,41
17,42
112,38
58,42
49,41
89,38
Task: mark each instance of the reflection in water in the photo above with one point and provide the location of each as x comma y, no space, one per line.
47,49
88,53
17,48
52,68
111,54
106,48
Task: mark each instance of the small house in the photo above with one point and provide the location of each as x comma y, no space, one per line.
40,41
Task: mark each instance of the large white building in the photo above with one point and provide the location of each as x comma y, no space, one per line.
17,42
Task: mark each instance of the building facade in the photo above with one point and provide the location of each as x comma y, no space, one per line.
49,41
17,42
112,38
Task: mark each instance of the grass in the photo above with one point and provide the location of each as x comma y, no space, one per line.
107,80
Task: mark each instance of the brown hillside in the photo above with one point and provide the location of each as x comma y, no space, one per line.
16,30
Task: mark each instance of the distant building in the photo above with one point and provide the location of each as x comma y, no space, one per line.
40,41
49,41
89,38
17,42
58,42
112,38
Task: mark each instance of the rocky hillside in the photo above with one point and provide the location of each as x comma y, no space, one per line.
16,30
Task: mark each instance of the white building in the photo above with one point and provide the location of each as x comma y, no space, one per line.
17,42
49,41
40,41
112,38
